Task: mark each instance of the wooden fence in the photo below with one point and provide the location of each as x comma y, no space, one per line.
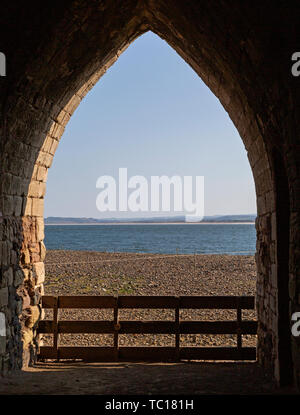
176,327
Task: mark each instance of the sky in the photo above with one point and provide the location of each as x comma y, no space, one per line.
152,114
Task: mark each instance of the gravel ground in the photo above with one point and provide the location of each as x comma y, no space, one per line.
98,273
140,274
233,378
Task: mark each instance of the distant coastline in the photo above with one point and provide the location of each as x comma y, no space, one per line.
146,223
175,220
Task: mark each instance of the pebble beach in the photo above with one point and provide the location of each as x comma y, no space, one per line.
102,273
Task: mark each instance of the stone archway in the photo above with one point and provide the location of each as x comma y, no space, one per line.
57,53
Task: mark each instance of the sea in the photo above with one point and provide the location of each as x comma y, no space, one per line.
230,239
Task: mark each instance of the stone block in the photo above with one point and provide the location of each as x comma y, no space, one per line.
28,206
42,190
39,272
37,207
63,117
5,253
274,276
8,276
3,297
40,235
42,251
13,257
26,256
54,129
261,205
19,278
27,169
33,317
33,190
7,184
2,345
7,205
47,144
26,301
38,292
42,289
17,185
27,336
36,189
42,174
48,159
54,146
18,203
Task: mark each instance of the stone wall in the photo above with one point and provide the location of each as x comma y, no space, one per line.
57,53
11,293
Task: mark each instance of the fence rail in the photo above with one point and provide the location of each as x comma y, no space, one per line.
176,327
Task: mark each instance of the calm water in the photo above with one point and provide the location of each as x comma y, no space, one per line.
169,239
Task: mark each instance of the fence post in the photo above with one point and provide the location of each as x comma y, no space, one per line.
177,329
116,329
239,320
55,326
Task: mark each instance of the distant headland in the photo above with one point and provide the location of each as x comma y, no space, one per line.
54,220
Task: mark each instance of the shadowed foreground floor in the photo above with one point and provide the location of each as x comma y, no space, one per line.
141,379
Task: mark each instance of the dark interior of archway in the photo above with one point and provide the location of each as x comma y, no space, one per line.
283,242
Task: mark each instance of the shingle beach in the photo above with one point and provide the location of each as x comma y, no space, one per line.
100,273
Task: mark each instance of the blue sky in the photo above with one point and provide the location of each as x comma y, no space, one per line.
150,113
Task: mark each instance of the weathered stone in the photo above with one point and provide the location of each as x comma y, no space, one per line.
5,253
19,307
18,201
42,251
26,301
26,256
9,276
2,334
40,229
8,205
28,206
34,316
2,345
3,297
42,175
13,257
34,189
37,207
19,278
27,336
39,272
